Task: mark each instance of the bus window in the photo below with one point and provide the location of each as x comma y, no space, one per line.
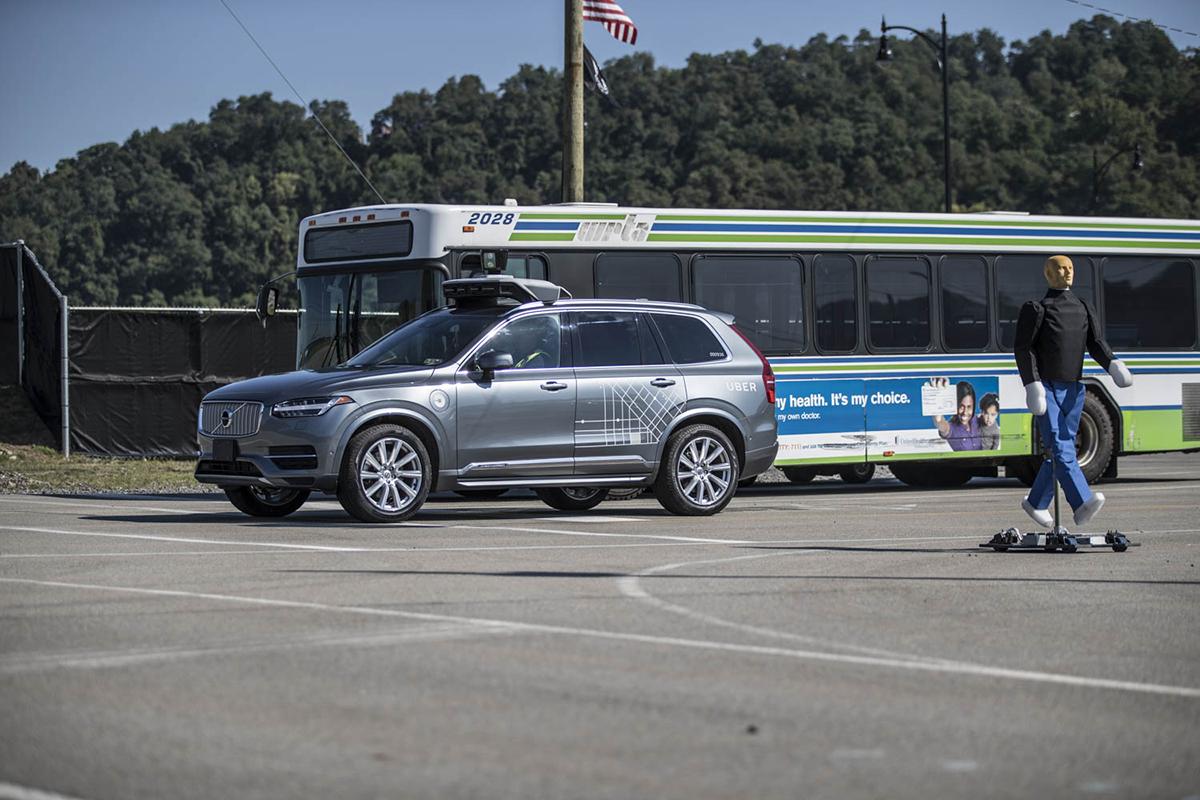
836,291
518,265
1020,278
964,302
634,276
1149,302
764,293
898,302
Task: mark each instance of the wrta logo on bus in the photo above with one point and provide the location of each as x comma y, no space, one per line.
634,228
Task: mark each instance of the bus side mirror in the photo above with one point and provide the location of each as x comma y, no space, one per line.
268,297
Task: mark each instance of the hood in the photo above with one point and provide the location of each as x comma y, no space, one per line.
319,383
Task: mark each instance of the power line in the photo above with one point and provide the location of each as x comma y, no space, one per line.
1132,19
303,103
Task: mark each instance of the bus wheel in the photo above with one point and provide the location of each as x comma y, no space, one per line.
1023,468
929,476
480,494
857,473
1094,441
799,475
572,498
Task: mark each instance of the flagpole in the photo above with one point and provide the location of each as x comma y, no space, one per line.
572,174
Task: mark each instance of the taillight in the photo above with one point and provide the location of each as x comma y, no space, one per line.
768,374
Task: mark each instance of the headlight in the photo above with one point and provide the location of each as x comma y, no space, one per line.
308,406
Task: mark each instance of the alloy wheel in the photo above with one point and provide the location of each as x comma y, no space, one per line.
704,471
390,474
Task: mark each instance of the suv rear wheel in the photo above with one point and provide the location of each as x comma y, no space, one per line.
259,502
699,470
385,475
572,498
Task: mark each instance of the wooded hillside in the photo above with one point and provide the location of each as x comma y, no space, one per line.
203,213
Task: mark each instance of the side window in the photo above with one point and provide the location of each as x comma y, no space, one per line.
524,266
834,285
533,342
964,302
1149,302
638,276
764,293
608,339
689,339
898,302
1020,278
652,353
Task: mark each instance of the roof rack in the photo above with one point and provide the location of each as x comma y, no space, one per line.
494,287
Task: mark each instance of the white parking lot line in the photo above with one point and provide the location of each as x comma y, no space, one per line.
970,670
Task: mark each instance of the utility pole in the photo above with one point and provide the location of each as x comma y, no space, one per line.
572,172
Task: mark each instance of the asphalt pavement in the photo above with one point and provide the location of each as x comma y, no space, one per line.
809,642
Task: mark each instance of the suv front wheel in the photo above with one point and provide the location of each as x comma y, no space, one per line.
259,502
385,475
698,474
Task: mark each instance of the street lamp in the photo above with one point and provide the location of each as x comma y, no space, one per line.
1100,170
885,54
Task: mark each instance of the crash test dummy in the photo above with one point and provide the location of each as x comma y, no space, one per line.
1052,334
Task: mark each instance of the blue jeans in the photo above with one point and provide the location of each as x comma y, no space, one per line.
1058,426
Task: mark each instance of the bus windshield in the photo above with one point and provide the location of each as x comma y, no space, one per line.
343,312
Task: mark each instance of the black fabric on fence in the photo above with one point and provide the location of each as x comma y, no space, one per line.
42,378
9,304
137,376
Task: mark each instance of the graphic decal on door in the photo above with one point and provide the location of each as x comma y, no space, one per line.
631,413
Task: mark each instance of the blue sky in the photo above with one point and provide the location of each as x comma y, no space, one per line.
77,72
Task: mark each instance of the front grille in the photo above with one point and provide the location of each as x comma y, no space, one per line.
230,419
1191,412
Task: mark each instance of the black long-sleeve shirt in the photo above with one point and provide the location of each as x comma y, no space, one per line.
1052,335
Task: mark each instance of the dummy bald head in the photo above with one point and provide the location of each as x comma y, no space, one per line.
1060,272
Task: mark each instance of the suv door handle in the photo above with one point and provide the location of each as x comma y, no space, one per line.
553,386
661,382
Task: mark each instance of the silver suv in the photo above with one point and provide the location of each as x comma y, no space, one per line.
510,385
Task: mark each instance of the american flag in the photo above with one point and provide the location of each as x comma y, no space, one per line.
613,17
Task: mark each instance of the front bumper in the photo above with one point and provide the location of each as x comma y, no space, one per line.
297,453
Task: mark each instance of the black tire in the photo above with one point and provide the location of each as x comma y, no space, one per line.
480,494
857,473
385,474
625,493
1094,443
259,502
930,476
572,498
709,483
799,475
1023,468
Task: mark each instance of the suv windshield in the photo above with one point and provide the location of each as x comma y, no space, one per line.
429,340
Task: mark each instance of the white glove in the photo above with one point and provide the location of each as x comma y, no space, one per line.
1035,398
1120,373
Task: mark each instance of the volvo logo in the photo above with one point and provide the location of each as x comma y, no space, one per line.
227,415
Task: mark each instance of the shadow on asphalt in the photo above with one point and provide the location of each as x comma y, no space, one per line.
678,576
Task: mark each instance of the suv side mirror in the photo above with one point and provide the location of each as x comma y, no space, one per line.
493,360
268,297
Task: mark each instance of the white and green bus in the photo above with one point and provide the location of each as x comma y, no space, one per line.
879,326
